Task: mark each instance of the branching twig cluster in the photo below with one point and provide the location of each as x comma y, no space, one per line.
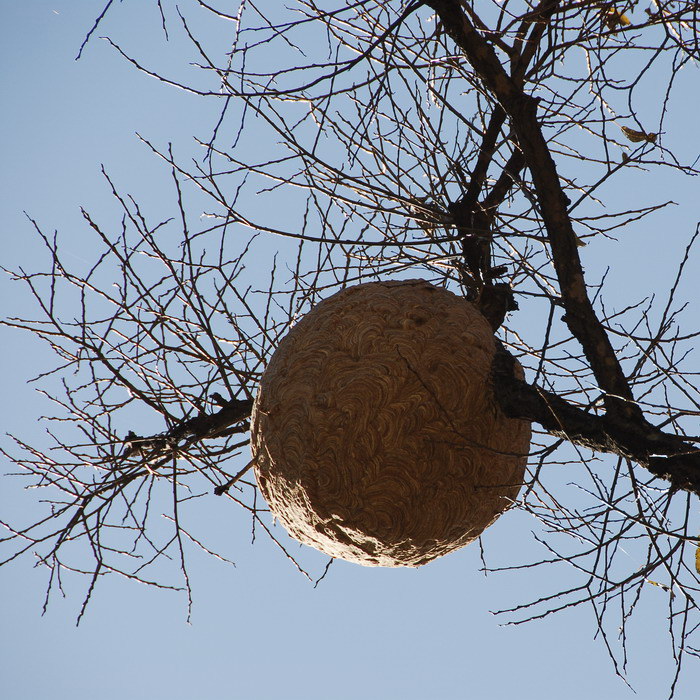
472,143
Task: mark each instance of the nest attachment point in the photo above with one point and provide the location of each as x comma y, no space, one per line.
375,433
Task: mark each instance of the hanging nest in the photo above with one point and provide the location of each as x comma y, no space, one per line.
375,433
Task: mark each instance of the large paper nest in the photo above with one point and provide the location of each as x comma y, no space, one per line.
375,433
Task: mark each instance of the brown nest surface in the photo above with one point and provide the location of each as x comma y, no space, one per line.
375,433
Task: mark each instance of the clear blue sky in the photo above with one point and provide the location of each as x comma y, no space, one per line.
259,631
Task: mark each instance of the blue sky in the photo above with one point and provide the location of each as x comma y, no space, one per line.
259,631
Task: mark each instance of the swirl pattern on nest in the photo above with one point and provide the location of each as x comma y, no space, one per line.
375,434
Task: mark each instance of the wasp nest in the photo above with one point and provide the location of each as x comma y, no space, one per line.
375,433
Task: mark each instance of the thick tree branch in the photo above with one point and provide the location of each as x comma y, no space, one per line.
666,456
505,181
201,427
486,151
522,110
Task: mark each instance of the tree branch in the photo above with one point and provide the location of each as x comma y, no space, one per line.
522,110
201,427
666,456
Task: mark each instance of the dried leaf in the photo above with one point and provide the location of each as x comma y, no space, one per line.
666,588
637,136
613,18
